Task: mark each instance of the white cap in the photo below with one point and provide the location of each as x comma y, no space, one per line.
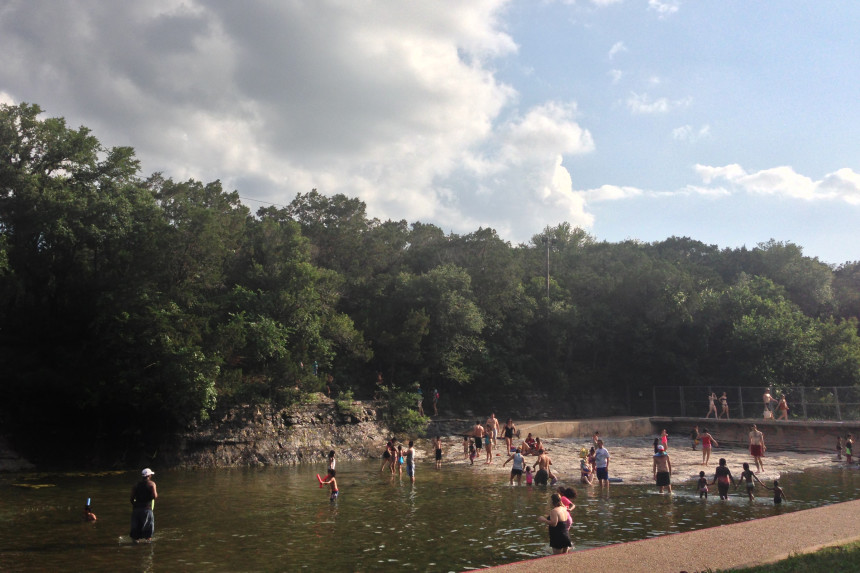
147,472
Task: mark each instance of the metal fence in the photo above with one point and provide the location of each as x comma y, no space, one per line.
805,402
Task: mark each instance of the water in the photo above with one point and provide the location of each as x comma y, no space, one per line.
278,519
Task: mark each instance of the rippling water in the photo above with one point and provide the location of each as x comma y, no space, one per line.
278,519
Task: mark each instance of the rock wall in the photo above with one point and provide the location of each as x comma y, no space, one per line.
257,435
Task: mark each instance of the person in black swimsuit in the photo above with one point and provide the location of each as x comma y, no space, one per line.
509,430
558,521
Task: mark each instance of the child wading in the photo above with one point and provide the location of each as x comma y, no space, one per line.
332,483
750,478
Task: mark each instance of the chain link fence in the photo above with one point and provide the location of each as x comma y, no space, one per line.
804,402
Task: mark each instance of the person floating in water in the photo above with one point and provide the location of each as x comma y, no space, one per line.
88,514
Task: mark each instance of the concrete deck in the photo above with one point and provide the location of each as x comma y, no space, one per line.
726,547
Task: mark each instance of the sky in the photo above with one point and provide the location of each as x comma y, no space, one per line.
730,122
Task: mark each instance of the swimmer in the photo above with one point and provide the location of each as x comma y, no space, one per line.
88,514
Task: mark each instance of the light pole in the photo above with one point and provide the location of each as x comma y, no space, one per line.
548,242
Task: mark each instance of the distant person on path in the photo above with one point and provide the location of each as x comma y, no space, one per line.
435,402
839,448
601,462
702,486
694,437
595,437
707,440
331,481
722,477
662,468
509,431
712,405
517,468
748,477
778,494
782,407
724,403
493,430
757,447
559,536
768,400
143,496
410,462
437,445
420,399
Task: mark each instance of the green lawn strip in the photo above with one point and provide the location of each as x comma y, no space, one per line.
836,559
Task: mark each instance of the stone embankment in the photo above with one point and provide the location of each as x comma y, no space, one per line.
257,435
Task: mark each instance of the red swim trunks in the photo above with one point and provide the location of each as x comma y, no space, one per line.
755,451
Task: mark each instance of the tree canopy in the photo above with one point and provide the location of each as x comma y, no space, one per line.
132,306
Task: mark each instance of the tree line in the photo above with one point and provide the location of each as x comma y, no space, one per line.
132,306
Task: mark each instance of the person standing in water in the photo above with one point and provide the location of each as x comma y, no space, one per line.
757,447
601,461
557,520
722,477
662,467
517,468
707,440
437,445
410,461
143,496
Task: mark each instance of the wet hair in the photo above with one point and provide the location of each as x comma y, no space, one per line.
556,500
567,492
722,461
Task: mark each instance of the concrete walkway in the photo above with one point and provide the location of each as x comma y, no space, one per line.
725,547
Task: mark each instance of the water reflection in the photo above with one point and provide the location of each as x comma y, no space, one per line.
279,519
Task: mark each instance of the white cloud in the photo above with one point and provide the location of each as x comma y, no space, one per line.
843,184
690,134
664,8
6,98
616,75
611,193
642,104
616,49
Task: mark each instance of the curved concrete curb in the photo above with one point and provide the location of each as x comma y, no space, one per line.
726,547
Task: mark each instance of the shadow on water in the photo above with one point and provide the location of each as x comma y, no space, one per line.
278,519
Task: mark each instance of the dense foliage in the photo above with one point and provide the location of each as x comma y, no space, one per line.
131,306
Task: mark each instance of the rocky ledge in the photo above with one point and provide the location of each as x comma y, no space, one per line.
259,435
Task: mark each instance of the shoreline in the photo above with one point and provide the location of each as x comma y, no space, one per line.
631,460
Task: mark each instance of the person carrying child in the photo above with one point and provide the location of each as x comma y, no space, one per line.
585,473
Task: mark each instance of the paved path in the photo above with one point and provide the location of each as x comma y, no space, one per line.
728,546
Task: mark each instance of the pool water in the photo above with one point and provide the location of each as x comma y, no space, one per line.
279,519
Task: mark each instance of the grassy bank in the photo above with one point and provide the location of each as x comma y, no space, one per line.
837,559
